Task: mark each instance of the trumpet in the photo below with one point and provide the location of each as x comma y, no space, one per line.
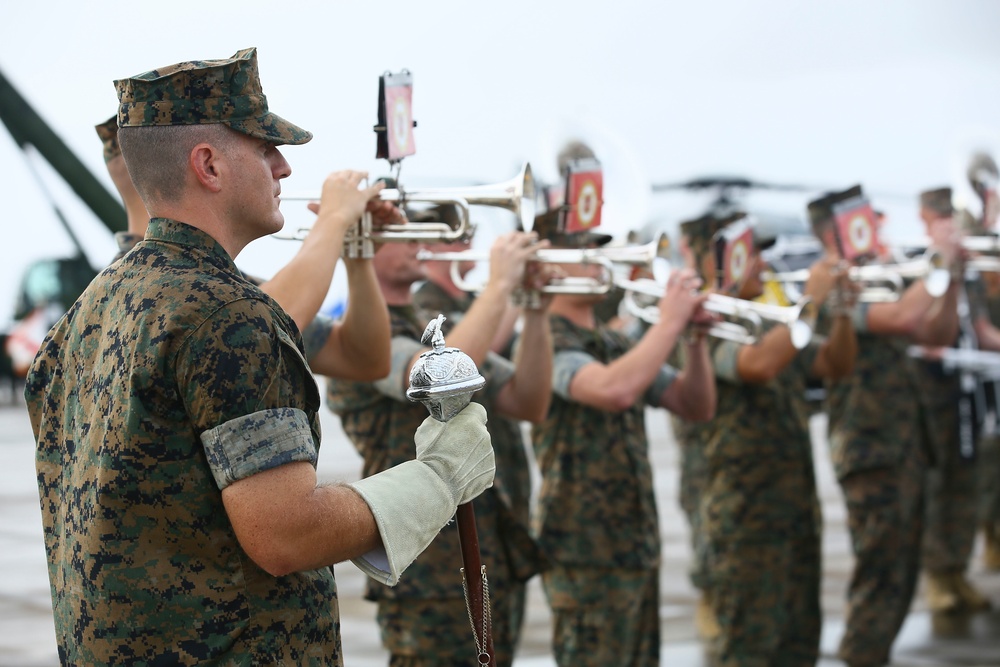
641,255
882,283
983,363
987,243
746,317
516,194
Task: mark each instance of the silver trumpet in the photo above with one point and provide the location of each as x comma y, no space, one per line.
882,283
745,317
984,363
987,243
636,255
516,194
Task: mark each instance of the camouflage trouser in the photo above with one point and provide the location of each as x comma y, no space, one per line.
766,600
604,617
438,633
885,518
950,520
694,477
988,477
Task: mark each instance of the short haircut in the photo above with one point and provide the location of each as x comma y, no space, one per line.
157,156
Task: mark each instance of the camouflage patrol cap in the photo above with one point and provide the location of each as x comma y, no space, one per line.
938,200
547,227
699,232
820,210
108,132
203,92
982,171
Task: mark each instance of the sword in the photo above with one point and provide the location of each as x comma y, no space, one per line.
444,379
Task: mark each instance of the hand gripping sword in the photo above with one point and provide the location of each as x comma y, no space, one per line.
444,379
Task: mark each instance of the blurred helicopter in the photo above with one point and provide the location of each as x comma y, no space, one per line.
781,218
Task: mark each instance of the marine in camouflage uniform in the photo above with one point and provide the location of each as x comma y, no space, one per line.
951,507
596,512
315,334
423,620
511,457
152,391
877,453
984,177
988,464
172,380
758,512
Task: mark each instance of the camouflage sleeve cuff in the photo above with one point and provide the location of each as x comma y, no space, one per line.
316,334
564,367
664,378
257,442
498,371
394,384
725,358
859,317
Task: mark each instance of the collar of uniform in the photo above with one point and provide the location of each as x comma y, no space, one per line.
172,231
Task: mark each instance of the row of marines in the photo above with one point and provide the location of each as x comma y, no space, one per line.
175,410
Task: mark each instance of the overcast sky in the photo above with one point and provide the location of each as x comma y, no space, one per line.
890,94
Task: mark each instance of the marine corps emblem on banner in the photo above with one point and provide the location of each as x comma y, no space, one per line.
584,195
733,246
395,116
855,228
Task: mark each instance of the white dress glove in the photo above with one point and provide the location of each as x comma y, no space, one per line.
413,501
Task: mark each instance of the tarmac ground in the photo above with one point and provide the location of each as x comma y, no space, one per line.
27,638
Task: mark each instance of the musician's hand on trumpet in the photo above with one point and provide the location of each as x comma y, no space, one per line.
341,204
682,304
509,255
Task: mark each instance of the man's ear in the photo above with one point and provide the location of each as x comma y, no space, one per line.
205,162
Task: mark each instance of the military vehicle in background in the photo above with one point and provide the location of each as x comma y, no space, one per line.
49,286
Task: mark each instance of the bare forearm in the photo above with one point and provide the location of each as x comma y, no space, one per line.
501,339
529,392
692,396
286,523
301,286
940,325
474,334
762,362
835,359
620,384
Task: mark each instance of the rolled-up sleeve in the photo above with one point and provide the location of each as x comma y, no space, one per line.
257,442
395,383
565,364
664,378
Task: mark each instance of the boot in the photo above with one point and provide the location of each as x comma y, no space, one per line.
972,599
991,554
704,619
941,592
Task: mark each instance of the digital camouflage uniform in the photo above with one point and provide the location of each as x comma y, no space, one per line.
950,519
876,447
170,378
988,454
596,514
423,619
506,437
690,438
313,338
760,516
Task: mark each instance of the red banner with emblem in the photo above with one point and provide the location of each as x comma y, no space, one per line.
855,228
584,196
734,246
395,116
